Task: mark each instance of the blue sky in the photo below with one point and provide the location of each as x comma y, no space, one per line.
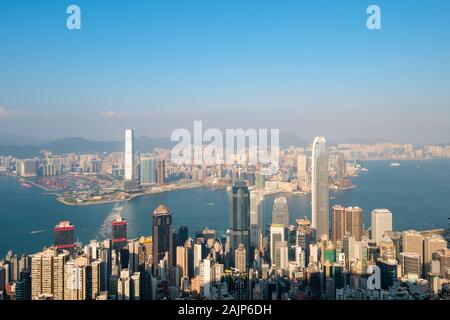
309,67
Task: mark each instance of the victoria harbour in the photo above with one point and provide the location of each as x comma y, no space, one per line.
417,193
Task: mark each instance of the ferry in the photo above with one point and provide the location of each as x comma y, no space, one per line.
395,164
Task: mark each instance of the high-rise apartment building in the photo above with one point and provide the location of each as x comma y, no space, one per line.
240,258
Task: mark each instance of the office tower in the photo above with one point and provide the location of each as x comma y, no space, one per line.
129,155
182,261
432,244
183,235
281,255
148,172
240,258
78,280
256,218
320,192
239,216
411,264
118,232
135,286
413,243
381,223
280,212
300,258
349,246
162,235
135,256
277,234
346,220
386,244
205,277
160,171
64,235
388,268
443,256
303,234
197,258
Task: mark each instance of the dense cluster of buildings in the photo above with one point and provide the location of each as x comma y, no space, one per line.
331,256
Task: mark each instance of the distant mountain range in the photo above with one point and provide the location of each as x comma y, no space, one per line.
81,145
25,147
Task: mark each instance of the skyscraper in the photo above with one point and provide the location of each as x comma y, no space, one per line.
320,192
162,235
277,234
381,223
147,171
240,258
280,212
256,218
346,220
64,235
160,171
413,243
239,216
432,244
119,232
129,154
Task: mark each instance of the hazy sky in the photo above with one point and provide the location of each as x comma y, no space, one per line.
309,67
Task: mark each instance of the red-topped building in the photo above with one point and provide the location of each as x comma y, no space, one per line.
64,235
119,232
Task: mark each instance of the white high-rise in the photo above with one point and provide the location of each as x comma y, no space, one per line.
320,192
381,223
129,154
256,218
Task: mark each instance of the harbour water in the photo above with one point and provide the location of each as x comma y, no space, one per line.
417,193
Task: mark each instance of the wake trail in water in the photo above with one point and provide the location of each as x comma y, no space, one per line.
105,229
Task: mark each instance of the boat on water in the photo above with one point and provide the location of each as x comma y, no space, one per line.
26,185
395,164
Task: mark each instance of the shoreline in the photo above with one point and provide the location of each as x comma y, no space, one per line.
132,196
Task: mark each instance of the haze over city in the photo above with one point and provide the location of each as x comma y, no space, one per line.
307,68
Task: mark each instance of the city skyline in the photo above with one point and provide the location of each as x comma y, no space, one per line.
228,150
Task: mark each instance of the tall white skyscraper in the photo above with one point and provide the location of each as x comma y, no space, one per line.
320,192
256,217
381,222
129,154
